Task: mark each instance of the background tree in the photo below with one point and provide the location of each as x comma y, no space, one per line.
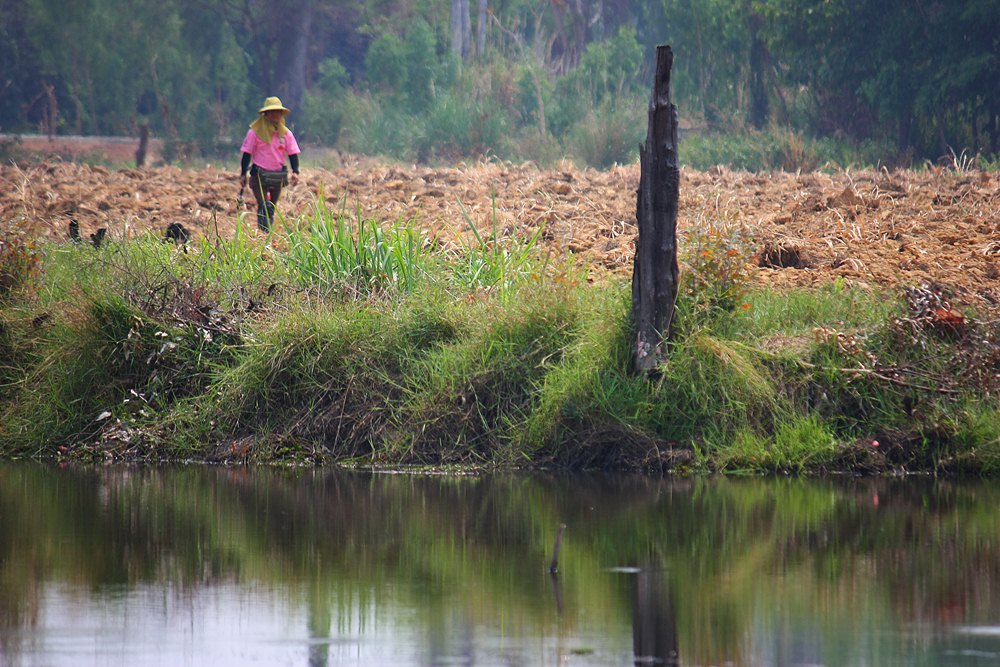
889,80
924,68
461,29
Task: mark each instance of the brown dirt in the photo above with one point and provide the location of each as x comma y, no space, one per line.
869,228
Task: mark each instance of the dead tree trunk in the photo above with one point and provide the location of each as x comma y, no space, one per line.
140,152
481,30
460,28
654,272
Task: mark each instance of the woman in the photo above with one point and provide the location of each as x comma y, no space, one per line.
267,144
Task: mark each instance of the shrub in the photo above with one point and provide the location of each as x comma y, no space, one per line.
454,128
717,255
377,126
322,108
19,259
385,62
610,135
777,148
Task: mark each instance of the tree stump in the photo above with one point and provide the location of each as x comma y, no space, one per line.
654,272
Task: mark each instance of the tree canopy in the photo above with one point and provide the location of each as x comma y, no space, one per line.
437,79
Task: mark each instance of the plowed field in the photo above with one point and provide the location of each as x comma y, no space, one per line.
874,228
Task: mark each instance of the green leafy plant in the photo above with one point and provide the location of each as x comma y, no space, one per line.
717,255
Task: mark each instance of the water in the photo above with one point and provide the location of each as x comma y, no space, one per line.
232,566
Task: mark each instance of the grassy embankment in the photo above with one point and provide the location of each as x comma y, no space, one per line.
350,341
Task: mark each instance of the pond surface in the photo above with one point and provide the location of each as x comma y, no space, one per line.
235,566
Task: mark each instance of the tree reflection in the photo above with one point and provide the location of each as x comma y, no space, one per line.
452,559
654,619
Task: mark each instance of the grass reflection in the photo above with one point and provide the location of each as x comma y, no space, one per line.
719,563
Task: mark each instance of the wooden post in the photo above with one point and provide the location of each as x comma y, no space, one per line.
140,152
654,272
554,565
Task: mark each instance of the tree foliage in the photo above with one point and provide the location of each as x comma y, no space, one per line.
531,78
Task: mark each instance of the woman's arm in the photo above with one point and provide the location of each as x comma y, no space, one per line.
244,167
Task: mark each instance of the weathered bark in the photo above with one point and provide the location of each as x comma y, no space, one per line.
654,272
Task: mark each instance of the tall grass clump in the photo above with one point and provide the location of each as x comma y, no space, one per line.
589,411
113,337
329,381
714,386
294,372
977,437
497,263
98,364
332,252
72,370
799,443
239,260
467,399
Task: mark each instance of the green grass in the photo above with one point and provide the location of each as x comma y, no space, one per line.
345,340
332,251
496,263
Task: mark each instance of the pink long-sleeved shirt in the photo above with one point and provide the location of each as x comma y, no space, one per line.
270,156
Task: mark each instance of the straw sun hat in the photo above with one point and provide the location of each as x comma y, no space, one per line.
274,104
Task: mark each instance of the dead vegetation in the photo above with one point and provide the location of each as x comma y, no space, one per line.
867,228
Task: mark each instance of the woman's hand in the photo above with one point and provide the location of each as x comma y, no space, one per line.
294,179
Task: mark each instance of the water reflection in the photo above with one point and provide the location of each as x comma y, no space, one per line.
194,565
654,619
